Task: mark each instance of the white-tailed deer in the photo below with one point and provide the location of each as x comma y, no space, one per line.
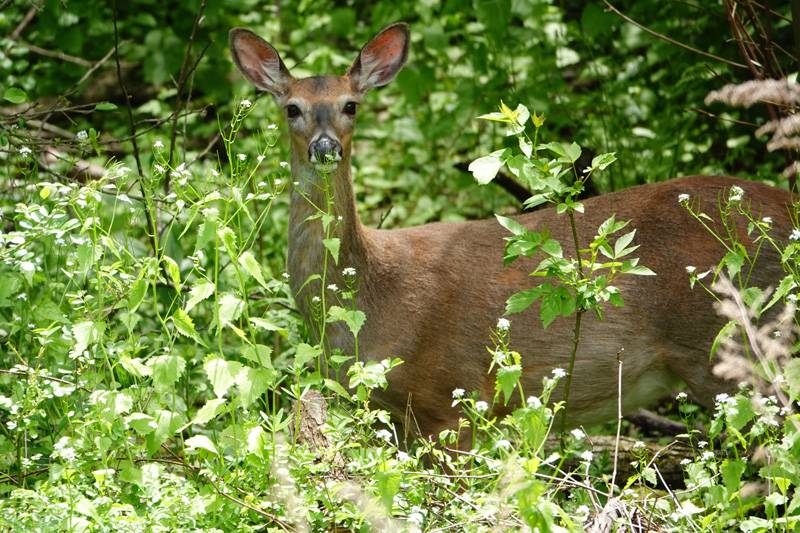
433,293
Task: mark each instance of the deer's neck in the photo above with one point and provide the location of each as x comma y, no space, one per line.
314,194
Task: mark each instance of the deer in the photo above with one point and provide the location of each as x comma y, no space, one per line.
433,293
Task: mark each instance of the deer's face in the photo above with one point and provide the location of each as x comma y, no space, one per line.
321,110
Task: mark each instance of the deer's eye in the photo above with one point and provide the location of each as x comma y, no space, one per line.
292,111
349,108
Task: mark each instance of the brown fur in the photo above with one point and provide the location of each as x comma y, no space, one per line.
433,293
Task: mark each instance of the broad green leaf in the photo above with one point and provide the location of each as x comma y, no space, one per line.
136,294
305,353
336,387
352,317
141,423
230,307
221,374
251,265
252,383
15,95
201,442
602,161
506,380
732,470
332,245
264,324
209,411
86,334
135,367
568,152
198,293
206,233
105,106
184,325
173,270
511,225
649,475
228,238
552,248
485,168
622,243
733,261
785,286
166,370
258,353
520,301
167,423
792,373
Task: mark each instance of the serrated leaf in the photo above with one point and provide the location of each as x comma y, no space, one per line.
733,261
135,367
552,248
253,383
86,334
792,374
184,325
785,286
506,380
167,369
173,270
521,300
228,238
259,354
209,411
167,423
485,168
332,245
198,293
248,261
201,442
649,475
602,161
221,374
136,294
305,353
230,307
352,317
141,423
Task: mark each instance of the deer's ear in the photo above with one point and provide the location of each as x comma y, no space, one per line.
259,62
381,59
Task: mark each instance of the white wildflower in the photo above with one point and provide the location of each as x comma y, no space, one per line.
795,235
283,164
242,157
285,276
158,145
702,444
681,396
767,220
587,456
349,271
82,135
246,103
690,269
502,444
503,324
458,393
158,168
260,158
272,127
578,434
735,194
707,456
333,287
685,461
24,151
403,456
316,299
559,373
384,434
278,182
481,406
722,398
683,198
534,401
638,445
791,298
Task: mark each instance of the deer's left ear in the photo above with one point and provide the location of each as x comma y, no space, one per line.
381,58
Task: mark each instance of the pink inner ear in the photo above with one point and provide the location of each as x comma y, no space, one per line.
386,47
253,53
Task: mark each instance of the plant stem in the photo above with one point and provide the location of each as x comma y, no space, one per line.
576,332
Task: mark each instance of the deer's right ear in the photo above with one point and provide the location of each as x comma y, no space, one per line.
259,62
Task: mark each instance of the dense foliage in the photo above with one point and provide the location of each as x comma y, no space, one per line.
151,358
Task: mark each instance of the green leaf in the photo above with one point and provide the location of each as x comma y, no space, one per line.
209,411
352,317
184,325
552,248
228,238
336,387
785,286
230,307
485,168
198,293
511,225
141,423
136,294
166,370
105,106
201,442
305,353
86,333
568,152
253,383
622,243
636,270
792,373
332,245
135,367
733,261
506,380
649,475
221,374
167,423
602,161
15,95
732,470
206,233
258,353
173,270
521,300
248,261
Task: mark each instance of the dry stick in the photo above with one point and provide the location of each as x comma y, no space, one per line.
182,77
61,56
619,422
148,216
24,24
671,40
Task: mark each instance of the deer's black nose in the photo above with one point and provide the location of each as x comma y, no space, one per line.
323,149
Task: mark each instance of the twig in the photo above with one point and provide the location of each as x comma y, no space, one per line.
150,223
24,24
49,378
619,422
671,40
61,56
182,77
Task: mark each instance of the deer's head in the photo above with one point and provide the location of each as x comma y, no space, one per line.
321,110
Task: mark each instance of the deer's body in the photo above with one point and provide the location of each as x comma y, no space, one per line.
433,293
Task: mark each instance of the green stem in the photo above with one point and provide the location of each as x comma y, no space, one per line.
576,332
